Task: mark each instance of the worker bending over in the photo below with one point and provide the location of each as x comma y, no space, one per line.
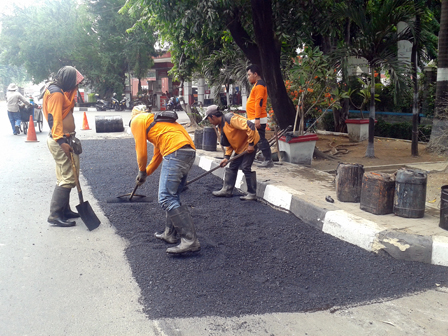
237,134
174,149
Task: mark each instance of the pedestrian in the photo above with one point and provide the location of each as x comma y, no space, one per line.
58,102
12,99
256,111
174,149
239,135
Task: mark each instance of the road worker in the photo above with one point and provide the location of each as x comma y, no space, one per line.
174,149
237,134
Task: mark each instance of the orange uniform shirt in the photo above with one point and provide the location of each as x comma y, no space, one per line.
256,103
239,132
56,106
166,137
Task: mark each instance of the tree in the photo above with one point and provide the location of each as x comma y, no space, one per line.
377,43
439,134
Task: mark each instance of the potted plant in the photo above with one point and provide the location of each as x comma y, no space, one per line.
311,86
358,128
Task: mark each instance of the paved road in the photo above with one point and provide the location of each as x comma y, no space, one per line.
261,272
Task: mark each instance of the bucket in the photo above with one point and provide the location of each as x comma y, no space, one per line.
349,182
198,135
377,193
104,124
444,208
209,139
410,193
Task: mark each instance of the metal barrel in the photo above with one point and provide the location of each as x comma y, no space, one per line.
209,139
377,193
410,193
349,182
444,208
106,124
198,135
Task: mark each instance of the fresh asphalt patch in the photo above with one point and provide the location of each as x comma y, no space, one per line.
254,259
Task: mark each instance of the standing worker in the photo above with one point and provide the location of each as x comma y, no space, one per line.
256,111
12,99
174,148
58,103
237,134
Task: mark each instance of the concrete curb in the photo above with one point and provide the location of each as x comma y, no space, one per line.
343,225
86,109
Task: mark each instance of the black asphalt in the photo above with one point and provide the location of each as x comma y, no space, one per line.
254,259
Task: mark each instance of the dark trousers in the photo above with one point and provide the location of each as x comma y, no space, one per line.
244,162
263,143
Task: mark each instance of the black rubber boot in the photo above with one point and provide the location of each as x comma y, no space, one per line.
170,233
68,213
183,223
58,204
251,182
229,184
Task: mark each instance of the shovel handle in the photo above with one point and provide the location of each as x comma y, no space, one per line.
78,186
133,192
213,169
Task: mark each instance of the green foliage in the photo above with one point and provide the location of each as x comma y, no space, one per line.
89,35
401,130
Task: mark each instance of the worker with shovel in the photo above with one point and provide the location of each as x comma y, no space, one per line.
58,103
239,135
174,149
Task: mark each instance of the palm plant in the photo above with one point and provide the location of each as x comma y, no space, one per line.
376,41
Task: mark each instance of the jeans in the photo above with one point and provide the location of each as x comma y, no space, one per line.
175,168
14,119
244,162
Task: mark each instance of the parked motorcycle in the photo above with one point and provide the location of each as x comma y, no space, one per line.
122,105
174,104
114,103
101,104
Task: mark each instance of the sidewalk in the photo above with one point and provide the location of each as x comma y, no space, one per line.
302,191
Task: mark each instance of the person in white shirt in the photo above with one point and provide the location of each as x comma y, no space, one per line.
12,98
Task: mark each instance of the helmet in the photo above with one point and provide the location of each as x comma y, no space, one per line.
12,87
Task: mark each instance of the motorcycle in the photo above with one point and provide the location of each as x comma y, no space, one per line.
101,104
114,104
121,105
174,104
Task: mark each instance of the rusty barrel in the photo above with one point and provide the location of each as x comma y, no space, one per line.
349,182
198,135
444,208
377,193
410,193
209,139
106,124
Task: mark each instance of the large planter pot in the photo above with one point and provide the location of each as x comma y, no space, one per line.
358,129
298,150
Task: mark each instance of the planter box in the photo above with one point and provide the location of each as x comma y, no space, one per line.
298,150
358,129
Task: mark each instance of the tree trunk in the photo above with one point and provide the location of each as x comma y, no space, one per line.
415,109
370,146
269,51
438,141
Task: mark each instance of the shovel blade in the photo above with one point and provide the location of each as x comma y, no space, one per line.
88,216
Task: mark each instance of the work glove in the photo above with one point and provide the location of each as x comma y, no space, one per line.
141,178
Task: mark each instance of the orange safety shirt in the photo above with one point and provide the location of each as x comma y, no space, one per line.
239,133
256,103
56,105
167,137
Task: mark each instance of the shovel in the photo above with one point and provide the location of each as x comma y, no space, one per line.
84,209
213,169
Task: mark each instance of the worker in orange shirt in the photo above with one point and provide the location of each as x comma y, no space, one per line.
256,111
57,106
238,135
174,149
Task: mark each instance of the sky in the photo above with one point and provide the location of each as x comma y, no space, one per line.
5,4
